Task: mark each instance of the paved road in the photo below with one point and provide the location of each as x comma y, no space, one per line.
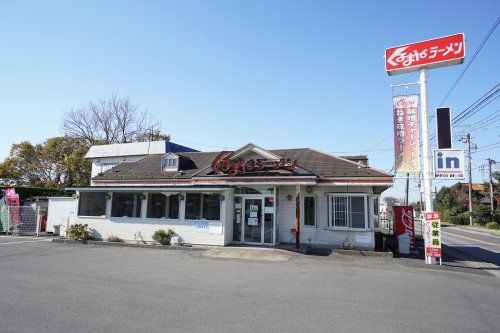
473,246
58,288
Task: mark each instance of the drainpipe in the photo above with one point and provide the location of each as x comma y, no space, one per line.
297,217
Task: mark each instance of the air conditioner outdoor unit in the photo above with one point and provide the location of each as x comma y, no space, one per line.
175,241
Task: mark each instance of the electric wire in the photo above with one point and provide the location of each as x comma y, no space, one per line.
485,39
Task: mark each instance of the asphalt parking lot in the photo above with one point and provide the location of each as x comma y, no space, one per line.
49,287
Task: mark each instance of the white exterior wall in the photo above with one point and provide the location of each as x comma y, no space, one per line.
61,211
321,234
125,228
98,162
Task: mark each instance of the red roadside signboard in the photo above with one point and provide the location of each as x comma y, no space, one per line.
432,53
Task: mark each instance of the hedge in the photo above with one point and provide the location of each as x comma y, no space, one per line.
26,192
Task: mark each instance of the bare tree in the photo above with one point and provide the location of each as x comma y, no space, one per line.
112,120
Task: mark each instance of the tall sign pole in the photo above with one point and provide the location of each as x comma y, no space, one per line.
425,142
421,56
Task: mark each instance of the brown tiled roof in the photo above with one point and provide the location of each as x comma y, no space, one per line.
318,163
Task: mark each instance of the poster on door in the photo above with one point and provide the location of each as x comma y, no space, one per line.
253,221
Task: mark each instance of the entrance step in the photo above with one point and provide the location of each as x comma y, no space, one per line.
250,253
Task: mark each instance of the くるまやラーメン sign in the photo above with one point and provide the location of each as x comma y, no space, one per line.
432,53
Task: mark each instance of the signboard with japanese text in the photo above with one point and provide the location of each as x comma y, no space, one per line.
432,234
404,222
201,227
432,53
448,164
406,137
215,228
221,165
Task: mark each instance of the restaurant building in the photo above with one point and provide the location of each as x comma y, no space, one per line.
248,196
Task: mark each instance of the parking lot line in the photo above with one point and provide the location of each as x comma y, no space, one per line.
27,241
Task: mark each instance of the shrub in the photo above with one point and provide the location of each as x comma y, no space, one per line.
481,214
347,244
461,219
492,225
79,232
163,237
114,239
139,238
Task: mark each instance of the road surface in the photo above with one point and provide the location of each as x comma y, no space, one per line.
59,288
478,249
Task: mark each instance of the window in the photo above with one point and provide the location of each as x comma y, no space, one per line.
348,211
92,204
202,206
211,206
157,205
107,166
170,162
310,211
163,206
126,205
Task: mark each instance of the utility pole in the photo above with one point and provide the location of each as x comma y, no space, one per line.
426,144
490,163
469,156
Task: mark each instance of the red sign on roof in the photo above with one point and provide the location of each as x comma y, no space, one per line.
432,53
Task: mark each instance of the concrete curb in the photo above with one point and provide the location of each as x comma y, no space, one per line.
482,230
116,244
364,253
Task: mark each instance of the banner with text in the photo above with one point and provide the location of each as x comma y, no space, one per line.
406,144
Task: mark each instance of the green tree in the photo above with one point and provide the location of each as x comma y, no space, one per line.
57,162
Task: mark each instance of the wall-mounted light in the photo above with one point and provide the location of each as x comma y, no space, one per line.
108,196
310,189
181,197
222,197
289,197
142,196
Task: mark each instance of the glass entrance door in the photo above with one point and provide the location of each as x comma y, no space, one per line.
252,227
254,220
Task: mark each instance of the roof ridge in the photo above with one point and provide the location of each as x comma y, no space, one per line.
349,161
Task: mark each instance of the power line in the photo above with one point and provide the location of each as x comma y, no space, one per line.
485,39
475,107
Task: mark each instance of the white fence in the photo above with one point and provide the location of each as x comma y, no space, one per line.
19,220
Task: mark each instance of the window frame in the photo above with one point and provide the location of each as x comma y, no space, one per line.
167,205
202,194
331,212
92,216
170,162
315,211
137,195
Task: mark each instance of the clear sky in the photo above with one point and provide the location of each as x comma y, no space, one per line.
219,74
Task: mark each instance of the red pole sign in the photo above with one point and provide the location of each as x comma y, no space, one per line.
432,53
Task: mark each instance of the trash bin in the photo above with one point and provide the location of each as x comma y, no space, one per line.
404,243
379,241
57,230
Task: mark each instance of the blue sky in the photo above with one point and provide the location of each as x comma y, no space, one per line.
219,74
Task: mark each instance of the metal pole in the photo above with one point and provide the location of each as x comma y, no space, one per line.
470,178
490,163
407,189
425,140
